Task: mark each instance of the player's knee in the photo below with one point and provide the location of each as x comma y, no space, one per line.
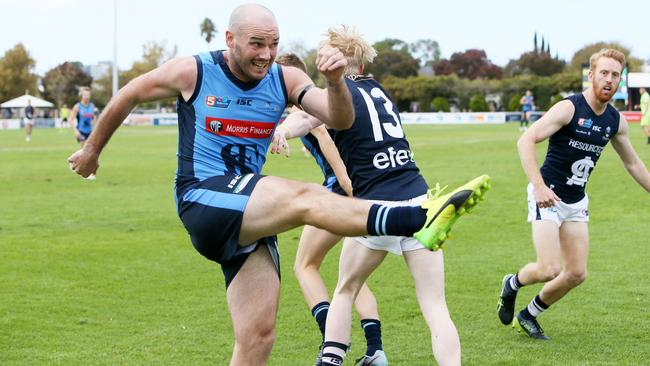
575,278
301,268
348,288
258,337
305,199
549,272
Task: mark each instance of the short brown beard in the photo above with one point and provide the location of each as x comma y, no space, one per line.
601,98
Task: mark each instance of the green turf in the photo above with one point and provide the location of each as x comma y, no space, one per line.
102,272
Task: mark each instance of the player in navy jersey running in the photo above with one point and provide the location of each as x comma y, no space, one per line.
228,105
578,129
315,243
380,164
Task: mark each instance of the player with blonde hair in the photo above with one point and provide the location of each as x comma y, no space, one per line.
380,164
315,243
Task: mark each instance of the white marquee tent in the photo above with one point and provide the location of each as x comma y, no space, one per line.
21,102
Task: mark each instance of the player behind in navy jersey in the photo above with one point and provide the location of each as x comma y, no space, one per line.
315,243
82,116
229,103
381,166
578,129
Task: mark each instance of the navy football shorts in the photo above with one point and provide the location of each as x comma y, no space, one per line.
212,212
83,136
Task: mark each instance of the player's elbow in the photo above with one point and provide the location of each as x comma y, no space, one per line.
343,123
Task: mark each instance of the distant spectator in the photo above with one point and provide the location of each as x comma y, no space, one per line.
29,113
645,112
64,114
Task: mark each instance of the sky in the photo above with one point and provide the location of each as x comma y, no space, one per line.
55,31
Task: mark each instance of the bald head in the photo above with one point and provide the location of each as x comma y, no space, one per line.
251,14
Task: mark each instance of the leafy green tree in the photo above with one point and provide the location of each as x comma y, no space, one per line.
440,104
582,56
478,103
535,63
61,83
154,54
312,71
513,103
556,98
395,63
16,73
208,30
426,51
391,44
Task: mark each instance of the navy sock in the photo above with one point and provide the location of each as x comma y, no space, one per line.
319,311
397,221
372,330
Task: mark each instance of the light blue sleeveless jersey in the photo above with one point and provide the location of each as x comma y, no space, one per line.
227,125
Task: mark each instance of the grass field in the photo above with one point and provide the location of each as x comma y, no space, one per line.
102,272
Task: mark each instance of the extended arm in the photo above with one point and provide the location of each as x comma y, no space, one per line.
558,116
175,77
633,164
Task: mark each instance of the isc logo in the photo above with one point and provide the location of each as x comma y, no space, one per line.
246,102
393,158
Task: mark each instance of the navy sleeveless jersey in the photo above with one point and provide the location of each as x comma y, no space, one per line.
311,143
227,124
85,117
377,156
574,149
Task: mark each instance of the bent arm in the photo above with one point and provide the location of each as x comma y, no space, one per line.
558,116
332,105
631,160
72,120
298,124
331,154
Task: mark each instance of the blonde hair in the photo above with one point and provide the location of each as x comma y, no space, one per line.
609,53
352,45
83,89
291,59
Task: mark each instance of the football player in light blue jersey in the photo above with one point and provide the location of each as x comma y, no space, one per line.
228,105
527,102
578,129
82,116
379,161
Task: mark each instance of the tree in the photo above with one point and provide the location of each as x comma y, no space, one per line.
391,44
478,103
395,63
426,51
470,64
154,54
440,104
582,56
16,73
535,63
208,30
61,83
